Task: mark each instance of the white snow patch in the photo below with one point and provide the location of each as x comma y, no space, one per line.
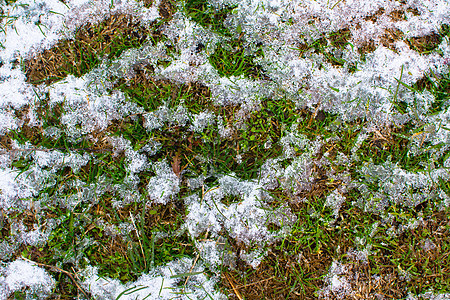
165,282
165,186
21,274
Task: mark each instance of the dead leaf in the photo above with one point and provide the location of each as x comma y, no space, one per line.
176,164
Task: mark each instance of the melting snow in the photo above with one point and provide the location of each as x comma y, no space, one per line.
21,274
309,80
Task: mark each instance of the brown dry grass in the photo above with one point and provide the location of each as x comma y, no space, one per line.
424,43
268,281
166,9
79,55
390,37
374,17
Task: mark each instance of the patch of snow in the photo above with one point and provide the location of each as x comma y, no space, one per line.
165,282
12,190
428,245
20,274
202,120
165,186
246,221
335,200
336,283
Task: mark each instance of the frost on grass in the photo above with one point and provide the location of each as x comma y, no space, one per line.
335,200
246,221
397,186
347,281
57,159
15,93
336,283
88,110
163,115
429,296
184,278
22,275
216,254
35,237
349,79
12,191
165,186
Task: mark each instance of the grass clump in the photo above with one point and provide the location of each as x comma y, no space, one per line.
439,87
151,93
296,267
158,241
243,152
207,16
230,59
38,138
427,43
330,46
137,239
92,42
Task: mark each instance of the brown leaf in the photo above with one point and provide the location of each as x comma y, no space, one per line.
176,164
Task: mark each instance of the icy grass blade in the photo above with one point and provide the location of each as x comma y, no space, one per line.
131,291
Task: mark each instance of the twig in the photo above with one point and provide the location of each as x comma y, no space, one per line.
71,275
313,116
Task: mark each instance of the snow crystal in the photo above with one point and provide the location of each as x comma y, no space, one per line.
429,296
162,283
12,190
57,159
84,106
165,185
428,245
35,237
136,162
336,283
21,274
253,258
247,221
202,120
359,255
335,200
7,249
398,185
216,253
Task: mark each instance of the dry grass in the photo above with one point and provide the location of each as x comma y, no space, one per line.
91,42
295,267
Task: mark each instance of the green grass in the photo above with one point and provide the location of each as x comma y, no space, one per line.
296,264
230,59
330,47
207,16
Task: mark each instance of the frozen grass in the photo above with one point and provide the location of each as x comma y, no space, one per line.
224,149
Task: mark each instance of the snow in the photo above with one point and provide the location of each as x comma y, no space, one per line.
165,185
12,190
336,283
21,274
308,79
162,283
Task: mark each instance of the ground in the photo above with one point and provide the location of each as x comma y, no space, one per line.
224,149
